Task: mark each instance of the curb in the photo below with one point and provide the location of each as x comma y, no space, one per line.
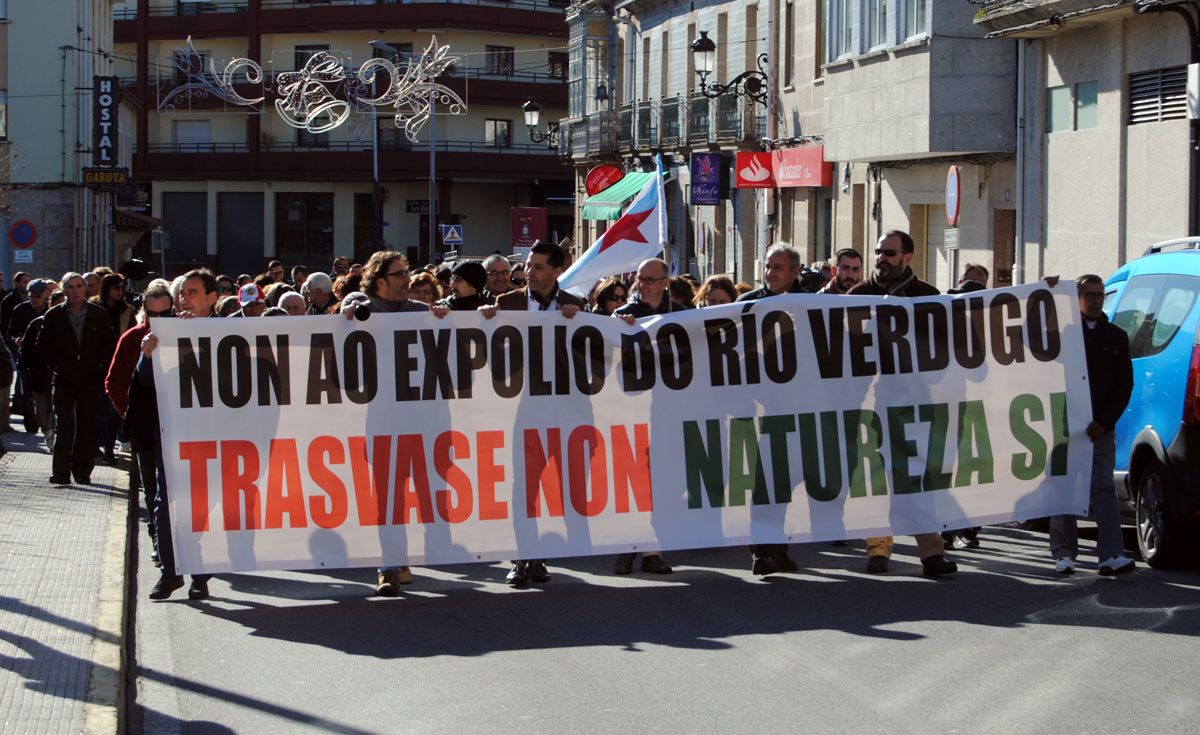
104,710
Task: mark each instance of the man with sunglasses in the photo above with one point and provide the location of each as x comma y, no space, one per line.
893,276
139,417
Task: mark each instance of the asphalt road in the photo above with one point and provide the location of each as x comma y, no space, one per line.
1006,646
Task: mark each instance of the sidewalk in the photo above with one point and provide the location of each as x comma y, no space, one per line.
62,595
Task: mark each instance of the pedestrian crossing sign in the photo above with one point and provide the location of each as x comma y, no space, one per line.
452,234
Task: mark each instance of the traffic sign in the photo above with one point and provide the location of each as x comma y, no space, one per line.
452,234
23,256
22,234
953,196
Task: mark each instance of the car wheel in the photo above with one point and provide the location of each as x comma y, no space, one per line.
1159,535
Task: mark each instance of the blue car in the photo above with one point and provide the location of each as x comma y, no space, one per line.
1156,300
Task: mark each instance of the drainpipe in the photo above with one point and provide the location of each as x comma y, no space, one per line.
1018,273
1188,12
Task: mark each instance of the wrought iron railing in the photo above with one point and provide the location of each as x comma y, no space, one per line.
669,129
625,128
729,118
644,122
240,6
343,146
699,119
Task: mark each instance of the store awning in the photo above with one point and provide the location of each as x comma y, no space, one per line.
609,203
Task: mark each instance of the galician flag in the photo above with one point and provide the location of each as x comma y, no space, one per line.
640,233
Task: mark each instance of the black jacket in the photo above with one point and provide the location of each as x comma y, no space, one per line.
908,285
73,363
1110,371
640,309
34,373
762,293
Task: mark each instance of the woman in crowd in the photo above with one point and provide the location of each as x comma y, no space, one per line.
611,293
424,288
716,290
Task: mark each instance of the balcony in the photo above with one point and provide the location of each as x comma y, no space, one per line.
1033,18
625,129
645,136
227,18
590,136
346,161
668,125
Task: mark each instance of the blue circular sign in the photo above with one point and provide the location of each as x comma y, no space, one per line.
23,234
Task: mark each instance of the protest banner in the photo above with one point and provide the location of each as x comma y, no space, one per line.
319,442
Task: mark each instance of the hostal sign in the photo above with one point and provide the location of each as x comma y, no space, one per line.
104,136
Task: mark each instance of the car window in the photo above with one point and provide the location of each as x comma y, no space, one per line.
1152,310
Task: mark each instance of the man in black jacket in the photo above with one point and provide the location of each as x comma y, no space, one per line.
893,276
1110,377
77,343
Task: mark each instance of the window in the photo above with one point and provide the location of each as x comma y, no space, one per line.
304,53
3,111
305,139
1158,95
558,65
192,135
876,23
496,133
499,59
916,18
1152,310
789,43
1072,107
3,9
840,17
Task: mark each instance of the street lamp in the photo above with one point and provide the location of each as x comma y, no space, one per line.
752,84
533,113
432,218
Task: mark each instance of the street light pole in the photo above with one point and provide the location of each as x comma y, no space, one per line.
376,194
432,171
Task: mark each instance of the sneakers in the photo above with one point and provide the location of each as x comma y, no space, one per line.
387,584
763,564
938,566
538,574
165,585
1065,565
877,564
198,589
1116,565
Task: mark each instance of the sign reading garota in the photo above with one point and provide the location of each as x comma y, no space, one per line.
319,442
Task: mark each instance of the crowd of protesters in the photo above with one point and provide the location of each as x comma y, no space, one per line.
76,355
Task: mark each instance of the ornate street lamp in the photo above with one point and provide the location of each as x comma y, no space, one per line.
752,84
533,113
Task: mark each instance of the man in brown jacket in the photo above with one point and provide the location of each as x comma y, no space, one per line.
545,264
893,276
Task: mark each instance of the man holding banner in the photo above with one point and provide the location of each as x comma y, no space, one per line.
894,276
543,267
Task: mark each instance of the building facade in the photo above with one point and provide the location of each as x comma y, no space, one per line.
50,54
235,185
1104,146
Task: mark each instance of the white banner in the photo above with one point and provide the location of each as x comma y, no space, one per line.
318,442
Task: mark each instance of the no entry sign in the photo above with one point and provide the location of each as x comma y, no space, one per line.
22,234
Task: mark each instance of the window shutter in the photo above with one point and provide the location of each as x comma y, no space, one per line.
1158,95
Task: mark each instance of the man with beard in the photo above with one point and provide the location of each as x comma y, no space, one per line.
847,273
894,276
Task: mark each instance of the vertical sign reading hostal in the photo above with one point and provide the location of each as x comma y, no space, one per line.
104,134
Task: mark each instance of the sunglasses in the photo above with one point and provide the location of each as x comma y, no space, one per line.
887,253
617,297
160,314
224,289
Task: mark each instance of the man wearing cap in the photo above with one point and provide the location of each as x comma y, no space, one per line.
252,300
468,279
544,265
77,343
894,276
318,293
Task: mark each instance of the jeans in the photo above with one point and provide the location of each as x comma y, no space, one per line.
1064,531
162,522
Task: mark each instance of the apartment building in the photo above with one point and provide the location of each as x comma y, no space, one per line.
635,93
1104,148
911,88
235,184
50,57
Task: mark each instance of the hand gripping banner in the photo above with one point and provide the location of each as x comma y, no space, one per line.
319,442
